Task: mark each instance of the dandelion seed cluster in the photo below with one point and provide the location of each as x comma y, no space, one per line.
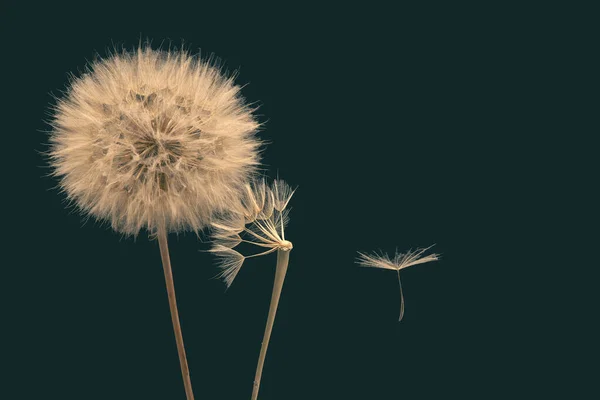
153,139
260,220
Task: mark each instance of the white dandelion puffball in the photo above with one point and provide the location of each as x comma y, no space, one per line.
153,139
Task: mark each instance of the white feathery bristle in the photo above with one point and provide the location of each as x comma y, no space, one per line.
375,261
400,261
229,223
225,240
268,206
282,193
411,258
149,139
229,261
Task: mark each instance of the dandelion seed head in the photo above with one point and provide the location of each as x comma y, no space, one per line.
149,139
259,220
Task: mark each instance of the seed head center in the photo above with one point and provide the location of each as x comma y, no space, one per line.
286,245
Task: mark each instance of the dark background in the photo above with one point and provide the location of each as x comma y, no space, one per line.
402,127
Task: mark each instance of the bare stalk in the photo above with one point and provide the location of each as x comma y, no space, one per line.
166,261
283,257
401,298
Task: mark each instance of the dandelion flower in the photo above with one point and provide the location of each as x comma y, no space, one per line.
260,221
155,140
400,261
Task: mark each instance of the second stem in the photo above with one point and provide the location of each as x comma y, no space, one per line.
283,257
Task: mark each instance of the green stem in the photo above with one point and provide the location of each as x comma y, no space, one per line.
283,257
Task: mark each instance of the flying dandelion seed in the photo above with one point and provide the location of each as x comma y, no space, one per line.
400,261
260,221
155,140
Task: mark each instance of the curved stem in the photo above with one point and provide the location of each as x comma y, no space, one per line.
283,257
166,261
401,298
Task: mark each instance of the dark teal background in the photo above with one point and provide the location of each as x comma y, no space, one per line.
402,127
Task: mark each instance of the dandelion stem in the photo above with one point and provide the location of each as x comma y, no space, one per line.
283,257
401,298
166,261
